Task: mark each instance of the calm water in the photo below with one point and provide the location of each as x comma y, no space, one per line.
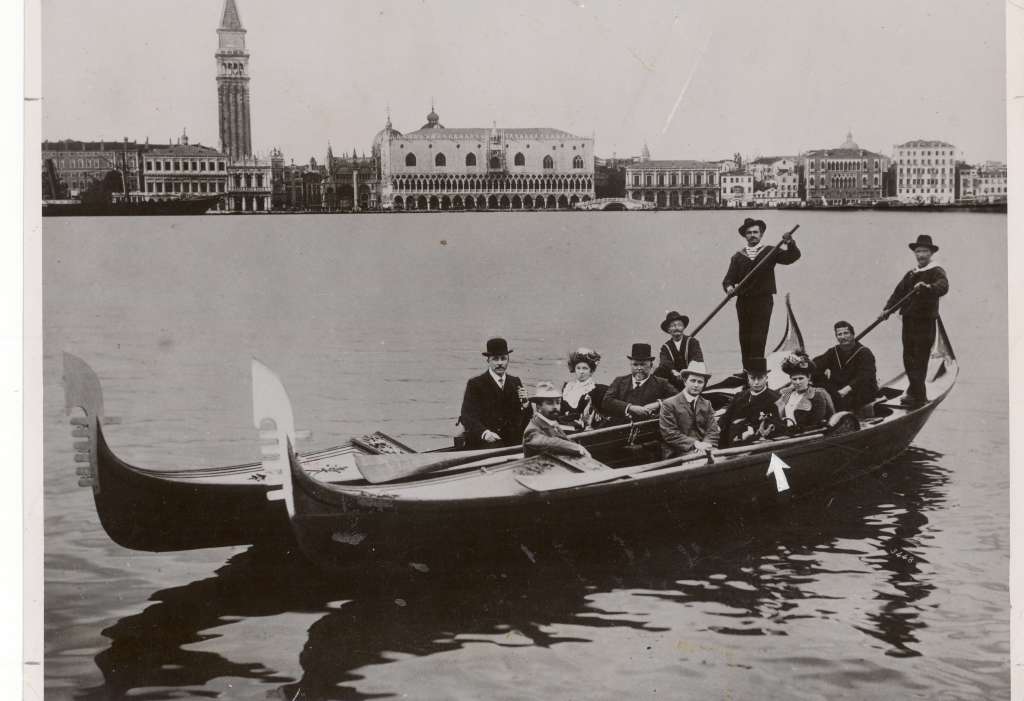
375,322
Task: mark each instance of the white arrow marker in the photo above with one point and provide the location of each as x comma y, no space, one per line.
777,467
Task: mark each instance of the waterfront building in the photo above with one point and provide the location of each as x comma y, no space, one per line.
782,190
673,184
737,189
966,181
184,170
70,166
844,175
925,172
350,183
436,167
250,181
990,182
610,176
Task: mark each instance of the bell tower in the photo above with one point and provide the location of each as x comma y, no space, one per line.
233,85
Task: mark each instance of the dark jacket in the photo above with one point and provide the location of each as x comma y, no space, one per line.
836,368
485,407
570,415
814,409
670,359
925,302
763,283
620,393
542,437
749,410
681,426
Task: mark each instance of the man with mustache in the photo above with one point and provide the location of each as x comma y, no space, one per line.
638,395
754,301
494,406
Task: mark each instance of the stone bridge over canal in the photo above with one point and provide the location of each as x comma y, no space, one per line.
615,204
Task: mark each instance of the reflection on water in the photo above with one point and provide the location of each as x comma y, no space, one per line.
759,572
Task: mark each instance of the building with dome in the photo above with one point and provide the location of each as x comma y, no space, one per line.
844,175
441,168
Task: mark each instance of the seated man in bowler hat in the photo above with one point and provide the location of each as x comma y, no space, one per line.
687,420
755,300
919,314
677,352
638,395
847,372
494,406
543,434
752,413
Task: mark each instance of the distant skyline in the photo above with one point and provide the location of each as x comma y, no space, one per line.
692,79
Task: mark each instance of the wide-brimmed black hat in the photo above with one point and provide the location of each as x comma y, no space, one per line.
674,316
641,351
497,346
923,240
748,222
756,366
798,365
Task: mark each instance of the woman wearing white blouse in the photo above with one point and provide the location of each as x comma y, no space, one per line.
581,396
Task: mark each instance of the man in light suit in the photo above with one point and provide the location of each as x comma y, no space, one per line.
494,406
543,434
636,396
687,420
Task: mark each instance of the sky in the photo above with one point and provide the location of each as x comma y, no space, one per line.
692,79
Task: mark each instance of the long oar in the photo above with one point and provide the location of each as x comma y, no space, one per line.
764,261
390,467
885,314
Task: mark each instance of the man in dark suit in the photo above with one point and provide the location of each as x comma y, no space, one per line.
494,406
755,300
636,396
929,282
752,413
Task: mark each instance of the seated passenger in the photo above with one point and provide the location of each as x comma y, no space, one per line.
581,396
494,406
847,372
802,406
687,420
636,396
543,434
752,413
677,352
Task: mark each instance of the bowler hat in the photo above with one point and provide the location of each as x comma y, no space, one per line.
641,351
674,316
755,366
748,222
545,390
923,240
696,367
497,346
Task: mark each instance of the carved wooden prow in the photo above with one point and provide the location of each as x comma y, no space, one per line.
82,390
272,416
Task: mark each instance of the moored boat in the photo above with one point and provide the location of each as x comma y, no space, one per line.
201,507
336,524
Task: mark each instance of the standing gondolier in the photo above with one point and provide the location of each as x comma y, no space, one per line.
927,281
755,299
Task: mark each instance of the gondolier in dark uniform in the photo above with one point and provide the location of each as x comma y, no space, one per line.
755,300
928,281
677,352
847,372
494,406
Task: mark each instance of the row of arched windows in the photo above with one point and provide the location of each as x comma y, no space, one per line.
472,183
440,161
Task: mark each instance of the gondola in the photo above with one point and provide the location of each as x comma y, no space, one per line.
337,524
182,509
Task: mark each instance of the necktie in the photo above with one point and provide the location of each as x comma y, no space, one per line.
501,383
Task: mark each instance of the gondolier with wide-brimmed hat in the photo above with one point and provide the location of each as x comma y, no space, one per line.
639,394
494,405
677,352
928,282
755,298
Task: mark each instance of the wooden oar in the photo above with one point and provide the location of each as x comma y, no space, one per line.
395,466
885,314
746,278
